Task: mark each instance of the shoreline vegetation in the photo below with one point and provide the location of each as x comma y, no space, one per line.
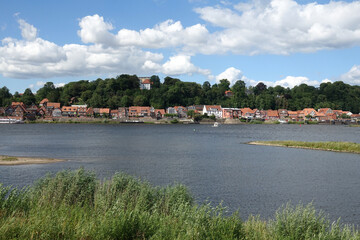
11,160
345,147
75,205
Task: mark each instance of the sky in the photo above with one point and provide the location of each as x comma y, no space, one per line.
278,42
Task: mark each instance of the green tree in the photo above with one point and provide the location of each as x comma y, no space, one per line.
28,97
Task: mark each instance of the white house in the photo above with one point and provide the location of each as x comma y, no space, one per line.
145,83
215,110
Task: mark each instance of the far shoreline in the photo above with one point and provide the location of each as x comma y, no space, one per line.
12,160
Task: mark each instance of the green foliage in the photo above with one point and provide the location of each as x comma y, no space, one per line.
124,91
174,121
74,205
330,146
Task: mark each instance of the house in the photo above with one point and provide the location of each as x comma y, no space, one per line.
52,105
123,112
19,112
69,111
114,114
272,115
181,111
215,110
229,93
293,115
231,113
137,111
308,112
90,112
247,113
81,110
56,113
145,83
196,108
44,101
171,110
283,113
104,112
32,112
159,113
325,111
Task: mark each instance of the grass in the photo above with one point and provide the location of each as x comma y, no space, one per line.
75,205
8,158
348,147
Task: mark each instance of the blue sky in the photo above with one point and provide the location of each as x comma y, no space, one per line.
279,42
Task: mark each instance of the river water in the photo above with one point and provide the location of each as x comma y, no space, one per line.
215,163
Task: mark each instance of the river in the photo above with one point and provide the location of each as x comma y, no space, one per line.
215,163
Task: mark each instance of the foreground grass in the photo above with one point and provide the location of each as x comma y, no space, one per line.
74,205
348,147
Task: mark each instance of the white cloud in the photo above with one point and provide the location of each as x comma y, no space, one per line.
181,64
59,85
353,76
282,27
231,74
28,31
291,81
105,53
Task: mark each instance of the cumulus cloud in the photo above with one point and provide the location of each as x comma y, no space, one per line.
291,81
231,74
282,26
353,76
28,31
34,57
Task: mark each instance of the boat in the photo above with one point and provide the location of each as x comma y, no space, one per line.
282,121
216,124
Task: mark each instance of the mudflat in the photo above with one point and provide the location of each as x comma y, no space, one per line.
11,160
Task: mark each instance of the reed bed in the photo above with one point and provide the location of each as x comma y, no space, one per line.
348,147
75,205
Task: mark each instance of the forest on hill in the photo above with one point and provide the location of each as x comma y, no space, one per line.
124,91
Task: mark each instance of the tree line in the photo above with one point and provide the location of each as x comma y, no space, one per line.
124,91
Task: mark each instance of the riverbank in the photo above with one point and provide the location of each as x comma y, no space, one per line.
346,147
76,205
10,160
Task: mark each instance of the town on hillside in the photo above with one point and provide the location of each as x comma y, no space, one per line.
52,111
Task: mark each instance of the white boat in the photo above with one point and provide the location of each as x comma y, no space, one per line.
216,124
282,121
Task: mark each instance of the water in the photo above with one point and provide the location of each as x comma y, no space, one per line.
215,163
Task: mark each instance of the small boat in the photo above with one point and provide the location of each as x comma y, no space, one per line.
216,124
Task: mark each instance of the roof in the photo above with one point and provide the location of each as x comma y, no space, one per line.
161,111
52,104
247,110
272,113
293,112
307,111
104,110
44,101
146,81
213,107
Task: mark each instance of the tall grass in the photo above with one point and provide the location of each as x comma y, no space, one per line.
75,205
329,146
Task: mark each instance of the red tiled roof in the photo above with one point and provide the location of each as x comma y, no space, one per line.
272,113
52,104
209,107
44,101
247,110
104,110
